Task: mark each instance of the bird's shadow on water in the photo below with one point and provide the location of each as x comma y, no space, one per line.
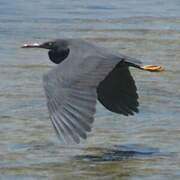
98,154
119,152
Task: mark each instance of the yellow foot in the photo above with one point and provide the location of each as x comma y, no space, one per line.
153,68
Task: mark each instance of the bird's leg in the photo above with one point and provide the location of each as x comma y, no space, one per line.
152,68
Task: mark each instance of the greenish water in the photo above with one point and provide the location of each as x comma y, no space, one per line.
148,30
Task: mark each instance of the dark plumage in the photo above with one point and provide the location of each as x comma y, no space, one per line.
117,92
85,73
58,56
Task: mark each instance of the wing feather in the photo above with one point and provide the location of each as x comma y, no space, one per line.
71,96
77,127
71,90
122,96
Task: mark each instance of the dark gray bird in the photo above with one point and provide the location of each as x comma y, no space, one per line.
85,73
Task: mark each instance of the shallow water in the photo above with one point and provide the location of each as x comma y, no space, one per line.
148,30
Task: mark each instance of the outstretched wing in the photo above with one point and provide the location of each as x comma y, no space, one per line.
71,94
117,92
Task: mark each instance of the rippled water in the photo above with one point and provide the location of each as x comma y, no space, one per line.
144,146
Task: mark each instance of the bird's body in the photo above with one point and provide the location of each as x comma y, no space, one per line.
85,73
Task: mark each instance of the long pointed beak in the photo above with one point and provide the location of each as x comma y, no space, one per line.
33,45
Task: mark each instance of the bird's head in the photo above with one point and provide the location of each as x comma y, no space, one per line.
58,49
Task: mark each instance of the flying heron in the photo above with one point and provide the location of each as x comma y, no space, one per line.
85,73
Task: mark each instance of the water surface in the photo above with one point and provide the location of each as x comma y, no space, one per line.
148,30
